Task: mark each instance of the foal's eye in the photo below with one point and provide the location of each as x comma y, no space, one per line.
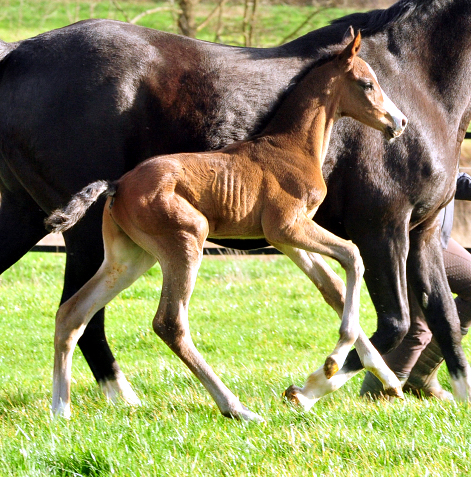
366,85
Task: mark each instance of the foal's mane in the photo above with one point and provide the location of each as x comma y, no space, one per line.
323,56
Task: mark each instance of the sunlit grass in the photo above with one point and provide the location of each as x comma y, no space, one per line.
262,326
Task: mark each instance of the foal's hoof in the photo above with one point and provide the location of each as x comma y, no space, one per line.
291,394
295,395
330,367
394,392
61,411
250,416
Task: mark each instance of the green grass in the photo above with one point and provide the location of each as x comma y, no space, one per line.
262,326
21,19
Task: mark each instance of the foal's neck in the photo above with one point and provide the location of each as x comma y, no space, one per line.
305,118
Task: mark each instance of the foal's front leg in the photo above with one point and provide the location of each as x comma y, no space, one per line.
333,291
307,235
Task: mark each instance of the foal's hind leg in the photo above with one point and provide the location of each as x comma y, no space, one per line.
333,291
85,254
124,262
180,263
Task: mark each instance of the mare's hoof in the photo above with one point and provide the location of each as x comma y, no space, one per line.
330,367
436,392
291,394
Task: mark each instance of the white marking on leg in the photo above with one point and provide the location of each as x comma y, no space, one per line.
350,327
462,386
74,315
333,291
119,388
62,409
373,361
318,386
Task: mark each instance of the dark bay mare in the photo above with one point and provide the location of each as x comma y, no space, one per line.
89,101
269,186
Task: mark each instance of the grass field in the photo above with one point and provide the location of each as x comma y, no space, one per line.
262,326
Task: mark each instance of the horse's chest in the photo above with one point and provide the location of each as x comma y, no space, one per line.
302,187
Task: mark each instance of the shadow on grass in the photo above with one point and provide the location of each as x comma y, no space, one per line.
14,400
86,463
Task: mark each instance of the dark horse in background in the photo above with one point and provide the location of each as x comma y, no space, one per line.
91,100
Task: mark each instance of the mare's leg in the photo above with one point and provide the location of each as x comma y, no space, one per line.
124,262
333,291
384,255
428,282
21,227
180,256
84,256
423,378
402,358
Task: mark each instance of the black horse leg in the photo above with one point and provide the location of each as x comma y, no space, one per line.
428,282
84,256
385,259
21,226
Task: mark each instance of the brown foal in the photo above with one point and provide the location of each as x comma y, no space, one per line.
269,186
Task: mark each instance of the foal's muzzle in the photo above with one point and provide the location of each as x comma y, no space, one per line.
398,121
393,132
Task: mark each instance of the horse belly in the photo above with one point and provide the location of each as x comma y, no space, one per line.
221,228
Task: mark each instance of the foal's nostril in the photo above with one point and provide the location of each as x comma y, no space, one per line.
404,122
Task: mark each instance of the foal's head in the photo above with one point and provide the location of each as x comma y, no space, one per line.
362,98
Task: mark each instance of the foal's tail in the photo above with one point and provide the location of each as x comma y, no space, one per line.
63,219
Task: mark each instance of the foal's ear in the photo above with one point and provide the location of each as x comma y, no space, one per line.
347,56
349,35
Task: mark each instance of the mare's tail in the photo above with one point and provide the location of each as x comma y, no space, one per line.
63,219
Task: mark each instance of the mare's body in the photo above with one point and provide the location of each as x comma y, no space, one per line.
91,100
